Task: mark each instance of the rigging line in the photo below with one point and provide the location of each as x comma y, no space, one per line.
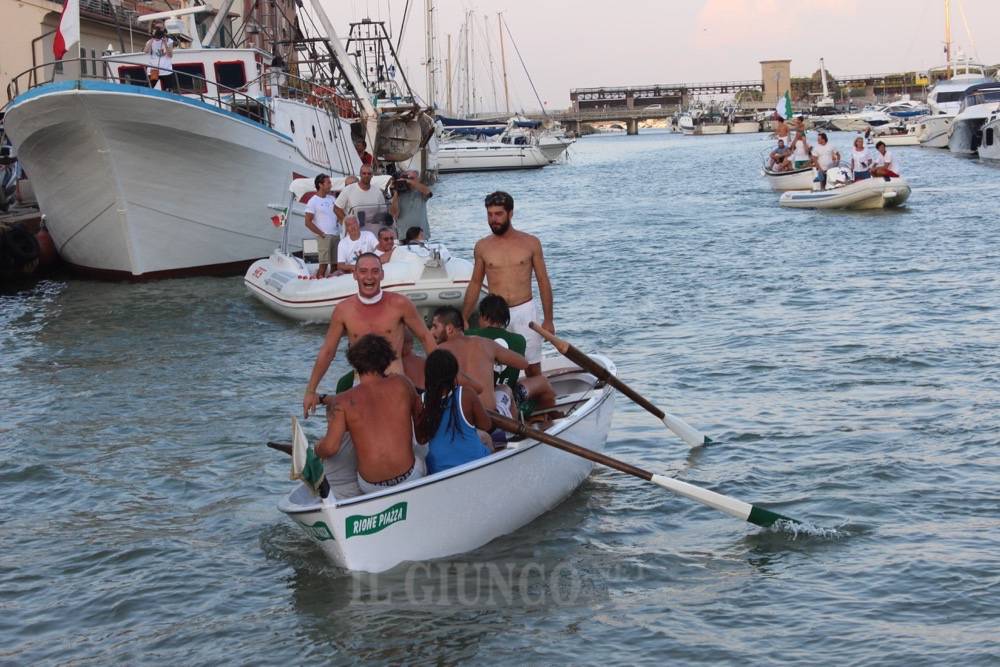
965,22
492,67
526,73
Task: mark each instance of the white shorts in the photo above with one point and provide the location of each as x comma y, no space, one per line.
505,402
520,317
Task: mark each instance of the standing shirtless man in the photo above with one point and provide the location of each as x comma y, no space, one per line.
369,311
508,259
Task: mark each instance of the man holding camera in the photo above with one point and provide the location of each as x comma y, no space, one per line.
160,49
409,202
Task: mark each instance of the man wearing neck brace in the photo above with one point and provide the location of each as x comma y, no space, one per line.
371,310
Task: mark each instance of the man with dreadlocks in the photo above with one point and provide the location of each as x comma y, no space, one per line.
378,414
450,417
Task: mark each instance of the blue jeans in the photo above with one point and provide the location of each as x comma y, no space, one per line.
862,175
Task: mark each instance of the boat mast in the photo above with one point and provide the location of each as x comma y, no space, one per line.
429,47
472,61
503,61
822,73
447,67
947,38
489,50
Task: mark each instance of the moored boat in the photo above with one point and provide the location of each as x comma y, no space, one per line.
989,148
865,194
795,179
463,508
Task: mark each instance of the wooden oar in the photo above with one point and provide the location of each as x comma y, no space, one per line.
731,506
681,428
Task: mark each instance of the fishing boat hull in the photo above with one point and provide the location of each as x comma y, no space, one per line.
489,156
744,127
799,179
136,182
711,128
460,509
870,193
287,285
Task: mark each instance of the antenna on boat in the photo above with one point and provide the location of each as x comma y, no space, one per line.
947,38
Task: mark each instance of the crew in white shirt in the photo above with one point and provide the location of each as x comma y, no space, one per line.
321,221
353,245
885,163
824,156
363,201
861,160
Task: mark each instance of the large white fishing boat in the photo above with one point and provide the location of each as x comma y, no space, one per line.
136,181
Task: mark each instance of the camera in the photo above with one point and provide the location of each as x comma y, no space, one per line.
159,33
401,184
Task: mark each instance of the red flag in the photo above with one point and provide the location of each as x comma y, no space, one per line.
68,31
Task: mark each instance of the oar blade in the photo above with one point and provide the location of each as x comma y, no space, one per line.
686,432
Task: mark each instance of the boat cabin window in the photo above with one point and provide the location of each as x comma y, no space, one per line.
953,96
231,74
988,139
134,75
191,77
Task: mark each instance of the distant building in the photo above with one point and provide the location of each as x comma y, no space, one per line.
777,78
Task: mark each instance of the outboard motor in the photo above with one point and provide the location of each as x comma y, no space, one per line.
836,177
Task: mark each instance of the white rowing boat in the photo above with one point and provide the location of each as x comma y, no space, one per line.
461,509
796,179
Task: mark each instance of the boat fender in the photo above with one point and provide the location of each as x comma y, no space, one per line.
21,246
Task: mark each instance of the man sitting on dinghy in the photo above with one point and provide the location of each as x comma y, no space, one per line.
371,310
507,259
386,244
356,243
378,414
885,164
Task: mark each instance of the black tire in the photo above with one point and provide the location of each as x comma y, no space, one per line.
21,246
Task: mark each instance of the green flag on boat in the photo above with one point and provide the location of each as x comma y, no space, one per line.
784,106
305,464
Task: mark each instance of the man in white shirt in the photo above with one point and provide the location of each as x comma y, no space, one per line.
824,156
386,244
885,163
321,221
361,200
353,245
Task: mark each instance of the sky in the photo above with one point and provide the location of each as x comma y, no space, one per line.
583,43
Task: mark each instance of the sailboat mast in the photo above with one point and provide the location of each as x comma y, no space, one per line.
503,61
947,37
447,67
472,61
429,47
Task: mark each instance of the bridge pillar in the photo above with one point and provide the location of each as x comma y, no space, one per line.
632,126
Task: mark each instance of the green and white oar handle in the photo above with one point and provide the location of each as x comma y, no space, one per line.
686,432
731,506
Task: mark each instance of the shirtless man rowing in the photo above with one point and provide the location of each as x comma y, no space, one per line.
378,414
476,357
508,259
370,311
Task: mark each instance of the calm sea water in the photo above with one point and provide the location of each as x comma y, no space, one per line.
845,363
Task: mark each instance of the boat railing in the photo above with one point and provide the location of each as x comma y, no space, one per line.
224,97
